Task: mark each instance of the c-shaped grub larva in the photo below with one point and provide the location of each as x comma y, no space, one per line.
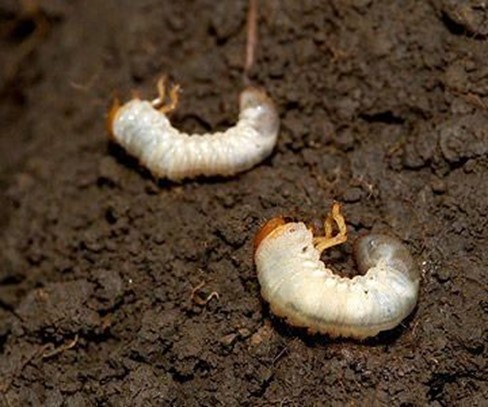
299,287
144,131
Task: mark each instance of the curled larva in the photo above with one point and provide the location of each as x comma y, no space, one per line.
144,131
298,286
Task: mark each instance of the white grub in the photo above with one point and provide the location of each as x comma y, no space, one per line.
299,287
145,132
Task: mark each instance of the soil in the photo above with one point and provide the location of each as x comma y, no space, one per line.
383,108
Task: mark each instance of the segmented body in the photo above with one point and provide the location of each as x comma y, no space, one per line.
146,133
300,288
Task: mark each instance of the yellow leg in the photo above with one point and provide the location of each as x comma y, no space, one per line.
322,243
173,97
159,104
161,85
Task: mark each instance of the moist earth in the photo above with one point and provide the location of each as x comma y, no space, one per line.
105,272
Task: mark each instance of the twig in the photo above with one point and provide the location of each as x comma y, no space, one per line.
200,301
252,37
60,349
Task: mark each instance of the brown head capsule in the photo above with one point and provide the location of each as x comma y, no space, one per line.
268,228
112,113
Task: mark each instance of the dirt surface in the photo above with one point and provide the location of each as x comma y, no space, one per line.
383,108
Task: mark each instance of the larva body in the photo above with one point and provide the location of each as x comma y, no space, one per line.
146,133
299,287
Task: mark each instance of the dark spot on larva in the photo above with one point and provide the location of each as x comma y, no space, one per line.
366,292
304,249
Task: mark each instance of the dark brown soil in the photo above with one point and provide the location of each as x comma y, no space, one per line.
383,107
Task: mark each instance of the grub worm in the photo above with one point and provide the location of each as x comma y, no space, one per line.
144,131
298,286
